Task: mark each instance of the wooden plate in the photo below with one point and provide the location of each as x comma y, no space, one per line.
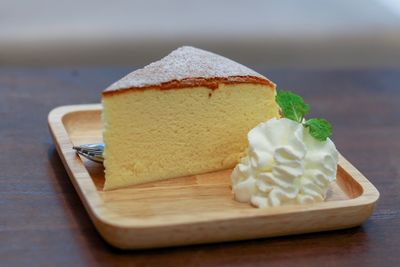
195,209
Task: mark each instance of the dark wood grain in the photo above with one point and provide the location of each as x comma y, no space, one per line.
43,223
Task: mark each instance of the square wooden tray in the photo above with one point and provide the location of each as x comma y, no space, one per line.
195,209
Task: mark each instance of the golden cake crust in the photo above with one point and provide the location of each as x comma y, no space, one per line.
187,67
211,83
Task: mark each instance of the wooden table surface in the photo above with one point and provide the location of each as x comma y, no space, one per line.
43,223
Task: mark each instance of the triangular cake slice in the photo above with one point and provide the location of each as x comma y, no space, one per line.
186,114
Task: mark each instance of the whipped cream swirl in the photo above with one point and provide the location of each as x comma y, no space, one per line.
284,165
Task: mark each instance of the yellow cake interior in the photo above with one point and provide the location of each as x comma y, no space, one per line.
156,134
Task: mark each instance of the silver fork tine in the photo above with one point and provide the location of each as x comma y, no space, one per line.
93,157
90,147
93,152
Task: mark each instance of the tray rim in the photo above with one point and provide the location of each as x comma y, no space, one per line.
102,217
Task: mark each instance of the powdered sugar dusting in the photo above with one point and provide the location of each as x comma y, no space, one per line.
183,63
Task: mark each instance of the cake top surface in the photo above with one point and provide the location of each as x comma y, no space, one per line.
181,64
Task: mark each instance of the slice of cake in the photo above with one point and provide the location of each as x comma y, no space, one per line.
187,114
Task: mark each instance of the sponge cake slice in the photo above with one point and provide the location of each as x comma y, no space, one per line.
187,114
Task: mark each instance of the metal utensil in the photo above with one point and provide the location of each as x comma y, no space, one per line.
93,152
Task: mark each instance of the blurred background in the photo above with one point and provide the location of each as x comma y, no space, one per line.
271,33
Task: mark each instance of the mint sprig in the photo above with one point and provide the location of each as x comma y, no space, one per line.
320,129
294,108
292,105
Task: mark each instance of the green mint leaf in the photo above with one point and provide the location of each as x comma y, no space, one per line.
292,105
320,129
